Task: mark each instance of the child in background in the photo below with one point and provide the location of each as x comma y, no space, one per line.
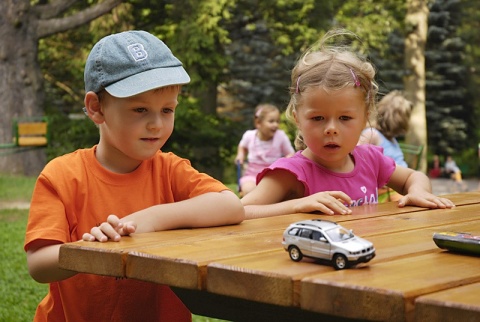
263,145
436,170
132,83
393,118
332,96
452,169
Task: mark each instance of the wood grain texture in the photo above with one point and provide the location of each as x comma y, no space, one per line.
457,304
379,291
268,278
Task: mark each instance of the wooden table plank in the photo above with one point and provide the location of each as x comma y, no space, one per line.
184,264
414,220
268,278
419,241
464,198
457,304
387,291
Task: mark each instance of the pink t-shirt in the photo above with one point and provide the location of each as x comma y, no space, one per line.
372,171
261,154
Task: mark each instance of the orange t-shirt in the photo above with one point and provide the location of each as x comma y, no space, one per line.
74,193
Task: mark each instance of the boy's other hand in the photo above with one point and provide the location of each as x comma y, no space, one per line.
112,229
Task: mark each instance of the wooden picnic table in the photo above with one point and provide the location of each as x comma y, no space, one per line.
242,272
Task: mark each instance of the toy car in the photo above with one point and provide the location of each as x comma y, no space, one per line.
326,240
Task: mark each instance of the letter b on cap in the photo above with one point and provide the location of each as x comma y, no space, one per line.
138,52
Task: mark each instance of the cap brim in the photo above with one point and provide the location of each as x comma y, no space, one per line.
148,80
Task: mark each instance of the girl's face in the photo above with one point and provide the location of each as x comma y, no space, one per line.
331,124
268,125
133,129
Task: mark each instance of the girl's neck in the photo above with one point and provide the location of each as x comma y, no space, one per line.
263,137
344,165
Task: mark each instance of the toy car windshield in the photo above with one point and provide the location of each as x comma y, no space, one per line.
338,234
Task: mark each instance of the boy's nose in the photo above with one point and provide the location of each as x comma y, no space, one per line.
155,122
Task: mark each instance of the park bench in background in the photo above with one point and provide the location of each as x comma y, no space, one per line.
412,154
27,134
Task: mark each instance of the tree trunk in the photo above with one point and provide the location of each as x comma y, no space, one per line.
21,90
208,101
20,84
416,24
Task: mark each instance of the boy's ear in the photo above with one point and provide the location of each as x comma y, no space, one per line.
93,108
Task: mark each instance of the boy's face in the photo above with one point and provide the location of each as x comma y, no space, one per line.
135,128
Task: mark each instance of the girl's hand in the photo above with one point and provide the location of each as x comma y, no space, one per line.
425,199
238,160
328,202
112,229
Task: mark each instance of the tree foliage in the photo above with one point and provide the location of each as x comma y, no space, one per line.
449,107
239,53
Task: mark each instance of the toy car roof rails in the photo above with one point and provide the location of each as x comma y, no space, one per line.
326,240
464,243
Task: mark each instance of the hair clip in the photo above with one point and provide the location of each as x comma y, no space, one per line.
297,89
355,78
257,115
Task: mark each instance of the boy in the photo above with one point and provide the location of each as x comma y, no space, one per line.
132,81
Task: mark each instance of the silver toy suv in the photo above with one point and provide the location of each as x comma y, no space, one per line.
327,240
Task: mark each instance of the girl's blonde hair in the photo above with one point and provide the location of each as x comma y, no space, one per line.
394,112
262,110
331,67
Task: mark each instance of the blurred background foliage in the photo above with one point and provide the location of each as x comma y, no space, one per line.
239,53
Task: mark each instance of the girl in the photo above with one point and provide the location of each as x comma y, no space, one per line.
332,96
263,145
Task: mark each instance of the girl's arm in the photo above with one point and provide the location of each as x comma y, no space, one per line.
207,210
280,193
416,188
241,153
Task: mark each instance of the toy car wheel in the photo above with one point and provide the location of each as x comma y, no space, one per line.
295,253
340,261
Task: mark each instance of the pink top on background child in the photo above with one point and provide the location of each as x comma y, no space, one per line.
263,153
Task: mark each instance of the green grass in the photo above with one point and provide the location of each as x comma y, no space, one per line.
19,293
16,188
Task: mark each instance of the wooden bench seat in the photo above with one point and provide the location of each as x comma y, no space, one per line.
28,133
32,134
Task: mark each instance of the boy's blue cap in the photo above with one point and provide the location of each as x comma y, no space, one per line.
130,63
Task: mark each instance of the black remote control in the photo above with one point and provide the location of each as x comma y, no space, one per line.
458,242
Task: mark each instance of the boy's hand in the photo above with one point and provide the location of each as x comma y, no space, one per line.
112,229
328,202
